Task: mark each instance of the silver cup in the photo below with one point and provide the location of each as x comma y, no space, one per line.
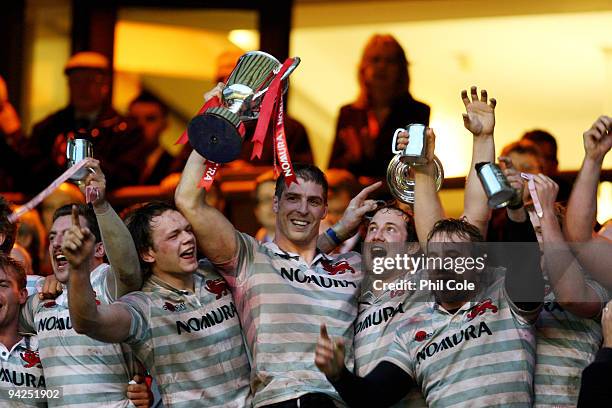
77,150
214,134
416,150
496,186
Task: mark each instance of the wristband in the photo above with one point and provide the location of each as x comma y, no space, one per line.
517,206
332,234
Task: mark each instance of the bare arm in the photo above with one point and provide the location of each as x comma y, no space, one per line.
118,243
215,235
582,206
427,205
567,279
479,119
109,323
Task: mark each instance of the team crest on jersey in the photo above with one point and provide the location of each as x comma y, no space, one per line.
421,335
217,287
480,308
49,305
31,359
178,307
338,268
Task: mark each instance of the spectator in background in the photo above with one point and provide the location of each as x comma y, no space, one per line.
343,186
264,196
32,236
88,115
11,169
297,138
8,230
365,127
151,115
549,159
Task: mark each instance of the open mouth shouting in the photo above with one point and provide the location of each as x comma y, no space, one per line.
378,251
60,260
188,254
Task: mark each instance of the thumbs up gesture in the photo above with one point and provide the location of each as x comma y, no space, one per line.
78,243
329,355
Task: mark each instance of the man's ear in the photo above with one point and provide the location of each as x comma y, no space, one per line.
99,250
148,256
275,204
325,213
23,296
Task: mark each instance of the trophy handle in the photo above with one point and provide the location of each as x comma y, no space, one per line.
292,67
394,141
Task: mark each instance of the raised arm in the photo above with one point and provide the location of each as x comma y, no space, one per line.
582,206
350,221
427,205
566,277
479,119
216,236
109,323
118,243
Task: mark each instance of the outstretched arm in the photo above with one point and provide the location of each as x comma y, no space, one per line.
118,243
109,323
582,206
479,119
216,236
567,279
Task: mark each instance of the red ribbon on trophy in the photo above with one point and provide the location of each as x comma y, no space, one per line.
272,107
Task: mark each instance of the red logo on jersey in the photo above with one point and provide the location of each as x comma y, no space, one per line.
31,358
481,308
169,306
50,304
217,287
337,268
420,335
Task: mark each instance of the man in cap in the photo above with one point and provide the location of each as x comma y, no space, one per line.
88,115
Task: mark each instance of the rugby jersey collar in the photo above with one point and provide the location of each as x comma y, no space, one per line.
171,293
26,343
319,255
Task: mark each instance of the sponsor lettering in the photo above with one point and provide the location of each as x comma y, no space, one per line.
448,342
296,275
54,323
378,317
207,320
21,379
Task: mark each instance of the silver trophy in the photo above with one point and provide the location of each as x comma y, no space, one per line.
77,150
496,186
400,181
214,134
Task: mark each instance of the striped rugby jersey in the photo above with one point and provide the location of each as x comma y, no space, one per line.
20,368
566,344
379,318
90,372
191,342
483,355
282,303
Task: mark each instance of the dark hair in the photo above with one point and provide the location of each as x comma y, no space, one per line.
411,235
454,226
148,97
522,147
138,222
539,136
15,268
307,172
84,210
7,228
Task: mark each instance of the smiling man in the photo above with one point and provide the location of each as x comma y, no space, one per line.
183,325
284,288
